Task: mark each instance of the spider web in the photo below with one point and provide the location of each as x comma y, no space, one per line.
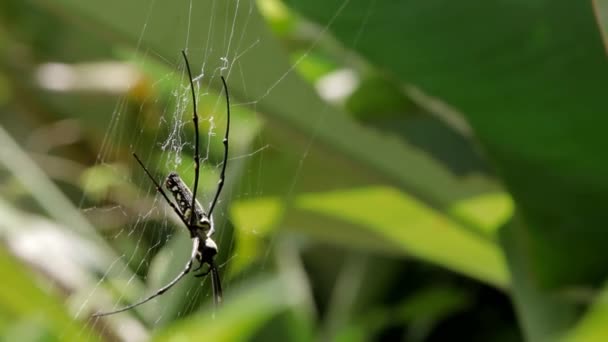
156,233
152,244
133,243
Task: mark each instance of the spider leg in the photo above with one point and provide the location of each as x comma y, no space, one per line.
216,283
220,184
195,245
160,190
196,141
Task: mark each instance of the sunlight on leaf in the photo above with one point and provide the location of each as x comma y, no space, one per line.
592,326
488,212
418,229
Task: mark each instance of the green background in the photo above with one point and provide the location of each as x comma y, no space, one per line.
456,192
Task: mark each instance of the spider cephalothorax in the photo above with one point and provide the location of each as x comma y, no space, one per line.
198,222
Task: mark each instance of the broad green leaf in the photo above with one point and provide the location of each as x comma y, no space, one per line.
529,76
416,228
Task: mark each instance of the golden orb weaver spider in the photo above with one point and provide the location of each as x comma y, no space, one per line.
190,211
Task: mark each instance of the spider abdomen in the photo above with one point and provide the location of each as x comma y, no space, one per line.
183,197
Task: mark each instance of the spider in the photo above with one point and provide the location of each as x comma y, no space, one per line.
190,211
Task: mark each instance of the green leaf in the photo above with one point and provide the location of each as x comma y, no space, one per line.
417,229
488,211
238,318
253,219
27,305
544,316
592,326
529,76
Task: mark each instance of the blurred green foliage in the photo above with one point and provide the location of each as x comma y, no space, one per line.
400,170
